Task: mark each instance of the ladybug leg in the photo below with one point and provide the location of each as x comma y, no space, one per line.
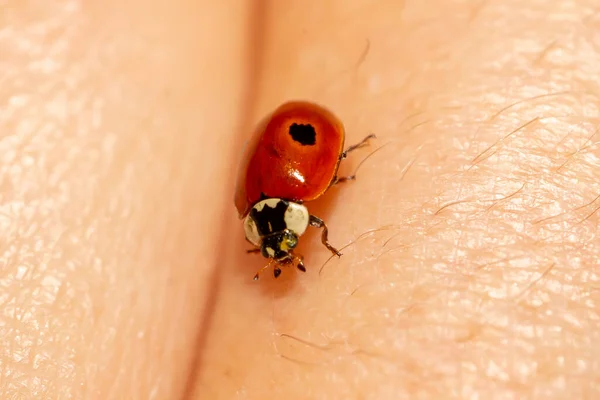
358,145
300,263
278,263
288,259
318,223
262,269
362,143
254,249
342,179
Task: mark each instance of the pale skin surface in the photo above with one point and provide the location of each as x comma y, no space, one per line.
123,272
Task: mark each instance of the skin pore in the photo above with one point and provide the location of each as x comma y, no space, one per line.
469,241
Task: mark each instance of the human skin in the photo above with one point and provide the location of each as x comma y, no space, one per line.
470,240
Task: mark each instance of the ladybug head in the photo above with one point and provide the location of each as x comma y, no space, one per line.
279,244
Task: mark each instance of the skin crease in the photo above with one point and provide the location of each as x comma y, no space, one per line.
472,271
107,150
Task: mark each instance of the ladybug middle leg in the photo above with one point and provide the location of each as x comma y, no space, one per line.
254,249
362,143
318,223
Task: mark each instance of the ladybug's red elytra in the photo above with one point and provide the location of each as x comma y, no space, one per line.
292,159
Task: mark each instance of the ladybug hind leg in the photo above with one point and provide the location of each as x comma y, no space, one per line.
362,143
318,223
358,145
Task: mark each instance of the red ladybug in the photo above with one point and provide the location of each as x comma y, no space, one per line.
292,159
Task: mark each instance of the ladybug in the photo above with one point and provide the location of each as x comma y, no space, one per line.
292,159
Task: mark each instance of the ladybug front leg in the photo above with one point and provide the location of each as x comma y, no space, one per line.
263,268
300,263
318,223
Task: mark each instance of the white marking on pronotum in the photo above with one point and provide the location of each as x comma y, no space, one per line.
267,202
296,218
252,231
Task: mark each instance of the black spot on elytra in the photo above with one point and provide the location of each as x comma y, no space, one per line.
303,134
270,220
